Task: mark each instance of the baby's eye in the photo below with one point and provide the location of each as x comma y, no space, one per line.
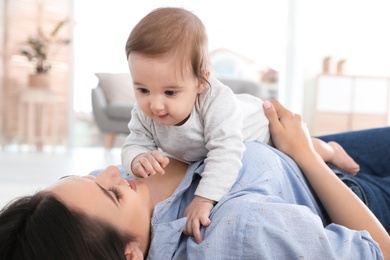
117,193
170,92
143,90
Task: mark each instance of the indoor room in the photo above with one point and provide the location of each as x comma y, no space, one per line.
326,60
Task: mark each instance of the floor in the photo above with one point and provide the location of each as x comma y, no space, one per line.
24,170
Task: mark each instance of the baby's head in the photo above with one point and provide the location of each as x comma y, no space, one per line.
172,32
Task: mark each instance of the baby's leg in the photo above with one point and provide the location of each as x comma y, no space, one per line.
335,154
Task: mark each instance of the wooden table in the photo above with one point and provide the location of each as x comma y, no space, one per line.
38,109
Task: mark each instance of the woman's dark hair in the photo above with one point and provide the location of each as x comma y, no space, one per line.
42,227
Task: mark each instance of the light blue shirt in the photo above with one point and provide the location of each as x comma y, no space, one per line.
270,213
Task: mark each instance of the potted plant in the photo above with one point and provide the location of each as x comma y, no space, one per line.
340,68
38,49
326,65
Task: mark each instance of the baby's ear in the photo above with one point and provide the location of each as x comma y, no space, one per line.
207,75
203,82
133,252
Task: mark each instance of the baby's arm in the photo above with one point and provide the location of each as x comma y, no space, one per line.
140,156
224,142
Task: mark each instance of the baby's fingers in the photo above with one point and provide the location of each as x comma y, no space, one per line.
194,229
159,162
144,165
142,168
197,236
204,221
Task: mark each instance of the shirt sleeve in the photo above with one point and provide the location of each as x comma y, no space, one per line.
140,140
256,227
290,231
223,123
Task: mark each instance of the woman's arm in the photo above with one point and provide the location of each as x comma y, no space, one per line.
290,135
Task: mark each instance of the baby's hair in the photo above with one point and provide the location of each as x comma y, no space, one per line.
172,32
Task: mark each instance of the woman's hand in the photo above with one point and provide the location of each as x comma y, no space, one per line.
288,132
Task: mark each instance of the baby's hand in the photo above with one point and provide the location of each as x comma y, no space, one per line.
197,212
149,163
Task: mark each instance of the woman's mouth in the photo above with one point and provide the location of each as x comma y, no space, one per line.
132,184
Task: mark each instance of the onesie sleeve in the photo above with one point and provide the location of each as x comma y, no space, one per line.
223,123
140,140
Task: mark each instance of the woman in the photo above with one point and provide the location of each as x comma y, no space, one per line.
270,213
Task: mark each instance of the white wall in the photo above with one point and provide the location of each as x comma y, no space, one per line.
356,30
255,29
292,36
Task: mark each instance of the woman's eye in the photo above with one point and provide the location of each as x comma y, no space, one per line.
170,93
117,193
143,90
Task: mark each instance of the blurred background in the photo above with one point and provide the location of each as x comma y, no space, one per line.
279,44
328,60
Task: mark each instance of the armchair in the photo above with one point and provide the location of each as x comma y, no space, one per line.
245,86
112,102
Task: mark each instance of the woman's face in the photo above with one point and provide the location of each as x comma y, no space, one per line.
125,205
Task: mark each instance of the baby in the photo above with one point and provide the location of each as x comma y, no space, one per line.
183,112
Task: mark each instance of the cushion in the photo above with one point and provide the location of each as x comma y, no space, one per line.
117,87
119,111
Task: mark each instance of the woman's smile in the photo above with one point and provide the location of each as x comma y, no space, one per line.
132,184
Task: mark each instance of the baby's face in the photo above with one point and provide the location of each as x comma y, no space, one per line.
163,92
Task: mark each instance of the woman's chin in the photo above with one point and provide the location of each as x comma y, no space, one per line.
143,190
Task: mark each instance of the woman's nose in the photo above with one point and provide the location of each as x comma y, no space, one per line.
110,175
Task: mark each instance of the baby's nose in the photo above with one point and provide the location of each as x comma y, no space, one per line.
156,104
